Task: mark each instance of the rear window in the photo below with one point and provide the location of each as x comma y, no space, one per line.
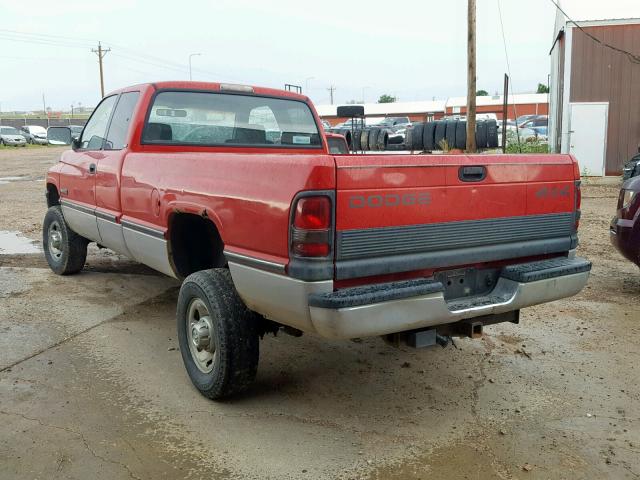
214,119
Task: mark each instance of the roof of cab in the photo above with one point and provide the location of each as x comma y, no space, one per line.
210,86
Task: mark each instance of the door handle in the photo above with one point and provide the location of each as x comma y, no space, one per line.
472,174
92,169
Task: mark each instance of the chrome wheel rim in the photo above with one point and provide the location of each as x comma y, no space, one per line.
55,240
200,338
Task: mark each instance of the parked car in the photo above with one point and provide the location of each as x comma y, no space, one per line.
525,135
288,236
395,123
632,167
624,231
524,118
537,124
35,134
12,137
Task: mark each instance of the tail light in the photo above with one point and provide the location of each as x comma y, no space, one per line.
311,229
578,201
578,192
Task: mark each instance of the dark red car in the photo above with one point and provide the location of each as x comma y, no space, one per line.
625,226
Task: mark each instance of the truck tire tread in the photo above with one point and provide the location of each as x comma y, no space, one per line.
73,246
234,328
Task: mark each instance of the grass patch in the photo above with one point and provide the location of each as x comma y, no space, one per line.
534,146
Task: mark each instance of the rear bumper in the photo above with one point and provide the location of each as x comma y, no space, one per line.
400,306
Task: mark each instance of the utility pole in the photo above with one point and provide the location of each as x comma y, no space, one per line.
505,112
44,109
192,55
101,53
471,76
331,89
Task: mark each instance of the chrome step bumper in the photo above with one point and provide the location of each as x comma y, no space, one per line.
400,306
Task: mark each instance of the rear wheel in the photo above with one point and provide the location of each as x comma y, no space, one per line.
64,249
217,335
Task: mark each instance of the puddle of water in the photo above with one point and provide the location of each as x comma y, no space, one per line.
14,243
5,180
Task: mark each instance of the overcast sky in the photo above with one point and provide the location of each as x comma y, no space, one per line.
415,50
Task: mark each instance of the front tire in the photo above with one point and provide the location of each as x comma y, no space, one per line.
64,249
218,339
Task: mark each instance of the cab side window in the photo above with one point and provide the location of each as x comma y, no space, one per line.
119,127
96,128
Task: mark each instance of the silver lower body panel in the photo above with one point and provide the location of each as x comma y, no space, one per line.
277,297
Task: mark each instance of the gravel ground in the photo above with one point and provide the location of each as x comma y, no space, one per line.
92,384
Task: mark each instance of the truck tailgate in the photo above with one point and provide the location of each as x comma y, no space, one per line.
399,213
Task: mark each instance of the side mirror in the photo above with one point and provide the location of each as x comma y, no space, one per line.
59,136
75,144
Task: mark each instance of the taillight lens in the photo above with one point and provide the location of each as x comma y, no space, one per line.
311,229
313,213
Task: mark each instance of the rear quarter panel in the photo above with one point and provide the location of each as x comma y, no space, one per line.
247,195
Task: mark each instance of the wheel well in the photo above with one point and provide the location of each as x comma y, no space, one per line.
53,197
194,244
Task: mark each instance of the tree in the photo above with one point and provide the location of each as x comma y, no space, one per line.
386,99
482,93
542,88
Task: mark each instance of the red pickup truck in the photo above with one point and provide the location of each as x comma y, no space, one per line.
234,190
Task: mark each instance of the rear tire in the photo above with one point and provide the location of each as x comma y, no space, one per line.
217,335
64,249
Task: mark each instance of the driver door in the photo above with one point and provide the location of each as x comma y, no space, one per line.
78,173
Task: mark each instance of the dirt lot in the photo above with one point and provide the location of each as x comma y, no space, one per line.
92,384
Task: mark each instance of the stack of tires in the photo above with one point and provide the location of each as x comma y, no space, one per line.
346,133
450,134
375,139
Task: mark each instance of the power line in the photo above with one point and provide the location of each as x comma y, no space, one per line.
633,58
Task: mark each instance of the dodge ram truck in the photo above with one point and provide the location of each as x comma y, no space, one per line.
234,190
